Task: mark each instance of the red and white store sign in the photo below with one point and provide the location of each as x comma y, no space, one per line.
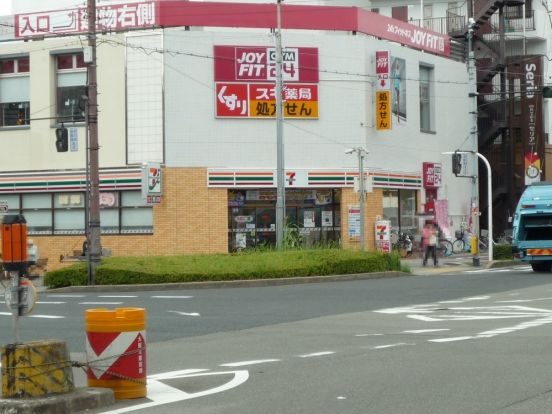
119,354
383,64
431,175
115,17
258,63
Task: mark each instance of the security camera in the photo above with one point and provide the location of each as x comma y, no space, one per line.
350,151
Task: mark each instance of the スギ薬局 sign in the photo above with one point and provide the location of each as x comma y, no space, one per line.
245,82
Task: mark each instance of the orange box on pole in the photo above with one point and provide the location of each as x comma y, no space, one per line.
14,240
116,350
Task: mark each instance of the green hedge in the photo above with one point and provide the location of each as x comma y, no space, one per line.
502,252
239,266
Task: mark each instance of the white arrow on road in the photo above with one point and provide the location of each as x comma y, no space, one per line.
184,313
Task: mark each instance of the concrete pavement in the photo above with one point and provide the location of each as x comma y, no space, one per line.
455,263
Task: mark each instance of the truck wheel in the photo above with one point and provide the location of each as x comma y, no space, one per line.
541,267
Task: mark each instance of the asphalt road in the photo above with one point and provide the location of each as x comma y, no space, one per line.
470,342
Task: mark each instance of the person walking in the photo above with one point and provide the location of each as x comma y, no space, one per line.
430,243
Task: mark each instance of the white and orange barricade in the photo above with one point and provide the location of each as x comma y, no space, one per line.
116,350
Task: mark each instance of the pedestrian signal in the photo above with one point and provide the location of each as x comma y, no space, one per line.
62,139
456,163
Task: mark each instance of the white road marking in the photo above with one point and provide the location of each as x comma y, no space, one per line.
458,338
47,316
422,318
391,345
513,294
184,313
246,363
50,303
375,334
452,301
522,300
5,314
160,393
66,296
171,297
427,330
118,296
477,298
100,303
317,354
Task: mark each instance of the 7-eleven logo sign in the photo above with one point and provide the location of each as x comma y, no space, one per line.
381,231
114,354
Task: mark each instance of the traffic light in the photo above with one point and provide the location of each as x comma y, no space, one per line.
62,139
456,163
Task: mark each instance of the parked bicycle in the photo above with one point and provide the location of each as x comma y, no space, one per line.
404,244
459,245
445,248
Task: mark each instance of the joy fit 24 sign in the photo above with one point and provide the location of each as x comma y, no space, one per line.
245,82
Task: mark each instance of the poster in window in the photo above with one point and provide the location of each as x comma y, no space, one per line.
308,219
327,218
354,222
241,240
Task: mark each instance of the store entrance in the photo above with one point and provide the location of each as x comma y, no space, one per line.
312,218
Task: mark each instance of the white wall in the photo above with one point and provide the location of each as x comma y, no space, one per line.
195,138
33,148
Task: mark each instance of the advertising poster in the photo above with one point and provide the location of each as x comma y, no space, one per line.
383,110
398,89
354,222
308,218
327,218
442,217
383,235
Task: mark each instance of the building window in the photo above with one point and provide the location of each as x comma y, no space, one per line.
399,207
14,92
426,99
64,213
71,87
312,217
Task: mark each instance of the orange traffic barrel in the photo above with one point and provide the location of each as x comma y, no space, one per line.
116,350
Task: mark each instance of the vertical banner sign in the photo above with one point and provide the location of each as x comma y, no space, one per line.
382,70
245,79
354,223
531,120
152,182
431,175
383,236
73,139
383,90
442,216
383,110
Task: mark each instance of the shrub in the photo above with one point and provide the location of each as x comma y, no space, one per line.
76,275
502,252
239,266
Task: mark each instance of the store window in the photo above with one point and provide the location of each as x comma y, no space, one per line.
426,99
399,207
121,212
71,87
312,218
14,92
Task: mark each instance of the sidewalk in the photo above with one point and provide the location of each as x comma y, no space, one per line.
454,263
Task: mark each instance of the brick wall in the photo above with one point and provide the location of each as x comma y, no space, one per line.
192,218
373,207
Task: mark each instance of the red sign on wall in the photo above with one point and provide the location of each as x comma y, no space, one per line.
258,63
431,175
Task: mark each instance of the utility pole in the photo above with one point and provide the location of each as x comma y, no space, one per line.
361,153
93,235
472,87
280,171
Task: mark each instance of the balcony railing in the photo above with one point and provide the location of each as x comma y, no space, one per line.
513,21
443,25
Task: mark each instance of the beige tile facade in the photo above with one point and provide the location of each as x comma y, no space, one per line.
193,218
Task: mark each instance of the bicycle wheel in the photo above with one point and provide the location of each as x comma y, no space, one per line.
446,247
458,246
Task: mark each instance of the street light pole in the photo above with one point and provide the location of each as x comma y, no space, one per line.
361,153
280,171
472,81
94,245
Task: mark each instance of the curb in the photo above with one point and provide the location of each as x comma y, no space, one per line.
495,264
228,283
79,400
